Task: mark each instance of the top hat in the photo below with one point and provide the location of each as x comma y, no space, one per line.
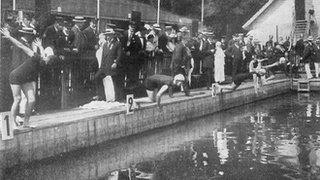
78,19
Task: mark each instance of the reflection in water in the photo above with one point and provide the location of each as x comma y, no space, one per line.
278,138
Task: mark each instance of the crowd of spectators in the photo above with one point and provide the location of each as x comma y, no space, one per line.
120,58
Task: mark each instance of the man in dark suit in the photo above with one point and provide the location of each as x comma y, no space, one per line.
132,46
309,55
142,53
181,60
76,36
207,52
53,35
232,41
270,41
111,66
90,36
234,52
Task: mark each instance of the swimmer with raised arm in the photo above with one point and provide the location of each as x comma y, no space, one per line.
24,77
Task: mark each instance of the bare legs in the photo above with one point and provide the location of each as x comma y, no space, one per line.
16,93
29,91
151,98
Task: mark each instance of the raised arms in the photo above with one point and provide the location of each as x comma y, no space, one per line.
7,35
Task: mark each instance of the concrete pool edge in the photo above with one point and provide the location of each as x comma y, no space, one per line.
46,141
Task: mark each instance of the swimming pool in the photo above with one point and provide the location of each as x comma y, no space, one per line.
278,138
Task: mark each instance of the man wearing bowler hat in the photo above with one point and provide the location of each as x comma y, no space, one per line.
110,67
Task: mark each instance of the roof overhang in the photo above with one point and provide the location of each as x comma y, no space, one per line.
254,17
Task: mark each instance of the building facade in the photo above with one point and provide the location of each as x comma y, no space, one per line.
109,9
282,18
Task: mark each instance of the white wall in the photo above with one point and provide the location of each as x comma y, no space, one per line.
280,14
316,6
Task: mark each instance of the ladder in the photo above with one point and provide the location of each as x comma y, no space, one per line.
303,86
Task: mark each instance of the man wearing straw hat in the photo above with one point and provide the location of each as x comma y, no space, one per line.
76,36
110,66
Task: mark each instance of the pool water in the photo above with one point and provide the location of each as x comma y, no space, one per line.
277,138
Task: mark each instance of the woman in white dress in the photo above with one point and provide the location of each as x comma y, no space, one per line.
219,61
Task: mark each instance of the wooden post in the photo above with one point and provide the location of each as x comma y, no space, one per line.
202,13
158,13
98,15
14,5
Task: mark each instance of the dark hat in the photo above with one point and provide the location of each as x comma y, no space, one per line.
58,18
150,36
133,23
94,20
78,19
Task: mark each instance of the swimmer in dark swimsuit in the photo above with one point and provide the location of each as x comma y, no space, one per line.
238,80
24,77
156,85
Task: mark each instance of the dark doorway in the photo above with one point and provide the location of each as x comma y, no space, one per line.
300,9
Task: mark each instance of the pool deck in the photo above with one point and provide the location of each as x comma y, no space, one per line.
66,131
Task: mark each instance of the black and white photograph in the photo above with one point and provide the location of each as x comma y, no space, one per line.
160,90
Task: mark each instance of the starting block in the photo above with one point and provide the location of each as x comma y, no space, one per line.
6,126
129,104
303,86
